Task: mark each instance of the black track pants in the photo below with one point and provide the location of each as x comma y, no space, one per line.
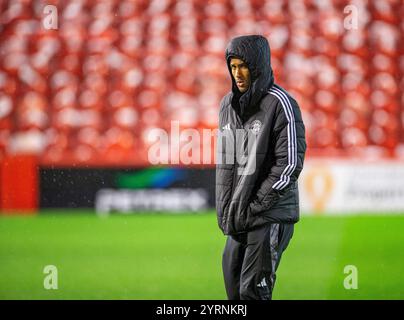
250,261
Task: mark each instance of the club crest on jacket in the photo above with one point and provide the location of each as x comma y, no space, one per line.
256,126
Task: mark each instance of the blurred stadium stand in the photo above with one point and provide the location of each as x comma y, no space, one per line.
89,92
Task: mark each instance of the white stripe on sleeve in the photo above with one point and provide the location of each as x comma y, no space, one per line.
292,149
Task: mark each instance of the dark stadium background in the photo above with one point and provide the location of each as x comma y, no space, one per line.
79,97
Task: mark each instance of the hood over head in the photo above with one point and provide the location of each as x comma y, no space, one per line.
255,52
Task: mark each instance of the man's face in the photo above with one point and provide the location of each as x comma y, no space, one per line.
240,73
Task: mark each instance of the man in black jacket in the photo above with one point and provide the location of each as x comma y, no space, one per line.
257,199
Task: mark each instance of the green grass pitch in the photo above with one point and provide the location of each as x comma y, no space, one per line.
157,256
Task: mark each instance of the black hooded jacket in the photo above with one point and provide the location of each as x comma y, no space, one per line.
261,146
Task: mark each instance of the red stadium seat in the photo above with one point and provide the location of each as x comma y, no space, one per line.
90,91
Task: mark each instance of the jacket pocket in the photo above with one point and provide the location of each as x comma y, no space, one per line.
288,199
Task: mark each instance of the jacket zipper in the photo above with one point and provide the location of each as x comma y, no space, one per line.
238,125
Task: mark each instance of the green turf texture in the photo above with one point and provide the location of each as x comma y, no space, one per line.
177,256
